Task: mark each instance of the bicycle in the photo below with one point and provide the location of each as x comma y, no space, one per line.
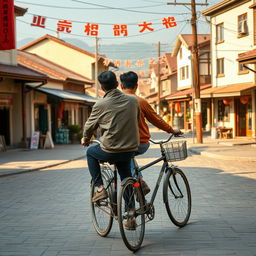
131,205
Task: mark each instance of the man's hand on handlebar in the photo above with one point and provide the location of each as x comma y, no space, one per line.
177,132
85,142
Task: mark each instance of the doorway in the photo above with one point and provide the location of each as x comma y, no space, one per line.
243,117
5,124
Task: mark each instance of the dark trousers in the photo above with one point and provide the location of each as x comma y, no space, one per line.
121,160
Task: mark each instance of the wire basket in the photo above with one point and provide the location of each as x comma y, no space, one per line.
176,150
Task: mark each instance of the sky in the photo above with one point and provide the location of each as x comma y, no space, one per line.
109,13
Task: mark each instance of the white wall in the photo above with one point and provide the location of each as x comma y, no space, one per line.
232,45
182,62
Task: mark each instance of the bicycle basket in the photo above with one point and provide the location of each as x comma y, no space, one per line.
175,150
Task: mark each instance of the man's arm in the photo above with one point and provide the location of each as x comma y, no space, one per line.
155,119
90,126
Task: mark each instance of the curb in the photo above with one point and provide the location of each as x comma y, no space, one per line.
38,168
222,157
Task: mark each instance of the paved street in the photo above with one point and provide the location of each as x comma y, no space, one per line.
47,212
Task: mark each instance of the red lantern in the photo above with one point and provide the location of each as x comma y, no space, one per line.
226,101
244,99
60,110
191,103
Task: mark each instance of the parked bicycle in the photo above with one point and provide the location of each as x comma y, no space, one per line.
131,209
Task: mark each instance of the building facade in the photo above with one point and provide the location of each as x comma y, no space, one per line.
233,85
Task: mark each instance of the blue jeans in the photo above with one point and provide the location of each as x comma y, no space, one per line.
141,150
122,161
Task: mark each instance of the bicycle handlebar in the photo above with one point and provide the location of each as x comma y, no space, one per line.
165,141
154,142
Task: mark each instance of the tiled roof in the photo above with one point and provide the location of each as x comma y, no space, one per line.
186,93
20,72
49,68
55,39
187,39
228,90
171,61
201,38
60,41
247,55
217,7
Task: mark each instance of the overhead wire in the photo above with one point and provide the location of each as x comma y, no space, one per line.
84,8
122,9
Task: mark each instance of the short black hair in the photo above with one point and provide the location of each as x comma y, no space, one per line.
129,80
107,80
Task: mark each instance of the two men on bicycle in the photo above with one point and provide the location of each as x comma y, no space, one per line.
116,116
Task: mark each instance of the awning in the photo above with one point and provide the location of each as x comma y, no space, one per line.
66,95
186,93
227,90
248,57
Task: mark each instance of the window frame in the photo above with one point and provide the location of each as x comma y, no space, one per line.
220,36
240,19
220,68
242,71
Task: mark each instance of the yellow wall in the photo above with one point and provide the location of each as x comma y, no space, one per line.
64,56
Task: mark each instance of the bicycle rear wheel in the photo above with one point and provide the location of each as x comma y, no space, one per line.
131,218
102,215
177,197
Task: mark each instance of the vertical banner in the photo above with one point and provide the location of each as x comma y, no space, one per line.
7,31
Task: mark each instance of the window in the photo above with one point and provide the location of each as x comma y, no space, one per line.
187,72
242,25
223,111
180,53
220,33
242,70
184,73
220,67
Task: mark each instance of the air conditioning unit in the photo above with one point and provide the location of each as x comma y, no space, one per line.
244,27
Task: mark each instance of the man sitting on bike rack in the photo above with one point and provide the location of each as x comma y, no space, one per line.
129,84
116,116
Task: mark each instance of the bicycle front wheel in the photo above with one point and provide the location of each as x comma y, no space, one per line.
131,217
102,215
177,197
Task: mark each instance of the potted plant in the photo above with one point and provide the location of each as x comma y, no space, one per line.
74,131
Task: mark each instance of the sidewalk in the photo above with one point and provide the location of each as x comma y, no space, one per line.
21,160
24,160
225,149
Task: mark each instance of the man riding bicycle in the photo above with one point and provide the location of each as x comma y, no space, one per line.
129,84
116,116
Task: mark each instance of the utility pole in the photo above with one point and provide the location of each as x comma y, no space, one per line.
158,76
195,63
96,67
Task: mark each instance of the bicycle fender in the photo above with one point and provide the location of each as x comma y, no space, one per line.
126,179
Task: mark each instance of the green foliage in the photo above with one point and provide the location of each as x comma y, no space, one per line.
74,129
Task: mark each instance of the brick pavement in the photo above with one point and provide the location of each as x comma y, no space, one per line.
46,213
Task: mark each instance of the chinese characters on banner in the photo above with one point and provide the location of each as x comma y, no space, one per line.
93,29
7,33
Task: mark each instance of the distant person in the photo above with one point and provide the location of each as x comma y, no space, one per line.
129,84
116,116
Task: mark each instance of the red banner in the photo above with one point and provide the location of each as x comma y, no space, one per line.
7,31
